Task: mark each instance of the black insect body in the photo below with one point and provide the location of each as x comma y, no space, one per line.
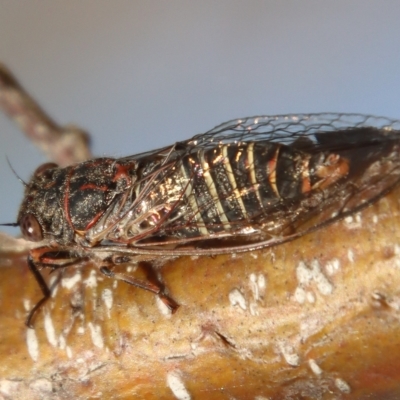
245,185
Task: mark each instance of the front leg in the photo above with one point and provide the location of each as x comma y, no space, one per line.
43,286
50,258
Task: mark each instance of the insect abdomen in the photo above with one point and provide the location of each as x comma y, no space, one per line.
239,184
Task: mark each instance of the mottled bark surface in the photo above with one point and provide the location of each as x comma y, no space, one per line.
317,318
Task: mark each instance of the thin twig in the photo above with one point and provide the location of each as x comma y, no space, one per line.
63,145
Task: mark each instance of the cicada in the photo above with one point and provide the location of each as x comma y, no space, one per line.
247,184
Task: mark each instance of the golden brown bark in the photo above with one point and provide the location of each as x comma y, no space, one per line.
314,319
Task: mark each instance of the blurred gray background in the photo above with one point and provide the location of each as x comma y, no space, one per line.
142,74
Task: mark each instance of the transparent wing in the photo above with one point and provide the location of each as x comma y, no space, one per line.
320,130
287,129
370,144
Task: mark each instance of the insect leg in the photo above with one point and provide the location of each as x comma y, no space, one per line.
43,286
146,285
48,258
151,276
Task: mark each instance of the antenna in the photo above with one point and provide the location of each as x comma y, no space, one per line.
13,170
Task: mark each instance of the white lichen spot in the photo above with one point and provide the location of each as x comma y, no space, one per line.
175,383
43,386
300,295
61,342
107,297
342,385
115,284
396,249
254,286
261,282
375,219
253,308
314,367
394,303
332,266
80,330
233,255
97,336
163,308
9,388
27,304
272,255
379,299
49,329
257,285
194,258
353,221
68,351
376,295
350,255
306,275
69,283
289,355
193,345
310,297
91,281
254,255
236,298
323,285
32,343
348,219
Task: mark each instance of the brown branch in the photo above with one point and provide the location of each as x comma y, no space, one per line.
315,318
63,145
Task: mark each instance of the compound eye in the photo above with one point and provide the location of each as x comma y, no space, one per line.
30,228
43,169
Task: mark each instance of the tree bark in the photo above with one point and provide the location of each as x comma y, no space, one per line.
314,318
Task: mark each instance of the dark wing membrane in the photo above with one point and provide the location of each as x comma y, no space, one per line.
369,144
